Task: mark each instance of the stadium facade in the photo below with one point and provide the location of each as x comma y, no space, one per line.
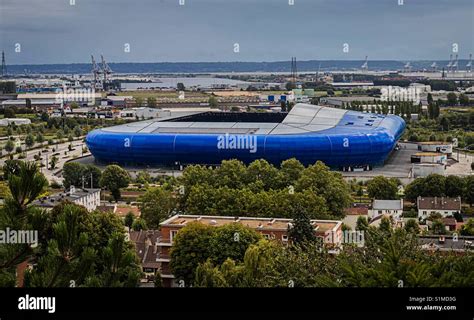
340,138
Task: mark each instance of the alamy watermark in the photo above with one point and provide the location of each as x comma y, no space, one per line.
65,94
347,237
400,94
237,142
9,236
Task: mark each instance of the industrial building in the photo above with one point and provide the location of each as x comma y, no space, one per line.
421,170
429,157
436,146
340,138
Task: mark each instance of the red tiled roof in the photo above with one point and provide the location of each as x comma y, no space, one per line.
357,211
439,203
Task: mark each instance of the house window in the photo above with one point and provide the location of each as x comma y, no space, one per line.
284,238
173,234
266,236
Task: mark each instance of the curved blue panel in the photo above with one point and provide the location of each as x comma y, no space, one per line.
358,139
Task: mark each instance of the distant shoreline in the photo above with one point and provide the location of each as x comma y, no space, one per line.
230,67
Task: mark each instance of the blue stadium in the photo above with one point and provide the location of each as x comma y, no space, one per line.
340,138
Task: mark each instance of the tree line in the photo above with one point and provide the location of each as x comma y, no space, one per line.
388,258
74,247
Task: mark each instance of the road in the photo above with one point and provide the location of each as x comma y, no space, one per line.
62,153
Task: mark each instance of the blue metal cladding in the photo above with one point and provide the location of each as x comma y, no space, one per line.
353,142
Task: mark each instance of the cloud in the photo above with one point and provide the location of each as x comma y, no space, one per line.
53,31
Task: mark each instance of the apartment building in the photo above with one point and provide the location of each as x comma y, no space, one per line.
330,231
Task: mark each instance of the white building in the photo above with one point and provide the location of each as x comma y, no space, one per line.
429,157
393,208
88,198
141,113
18,121
424,169
435,146
443,205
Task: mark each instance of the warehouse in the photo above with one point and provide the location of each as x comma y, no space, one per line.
429,157
435,146
340,138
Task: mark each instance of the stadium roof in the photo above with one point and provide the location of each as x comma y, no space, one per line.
302,119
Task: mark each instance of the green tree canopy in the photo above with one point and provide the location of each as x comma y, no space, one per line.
156,205
382,188
113,178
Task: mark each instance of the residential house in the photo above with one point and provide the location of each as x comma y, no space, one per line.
394,208
445,206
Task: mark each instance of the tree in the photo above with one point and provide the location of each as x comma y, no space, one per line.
438,227
77,131
213,103
156,205
138,101
9,146
191,246
89,248
11,167
430,98
463,99
468,228
454,186
39,138
91,171
73,173
434,185
54,160
362,224
44,116
290,172
129,219
25,185
444,122
327,184
301,231
113,178
385,225
382,188
452,99
9,113
231,241
151,102
469,189
30,140
412,226
139,224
